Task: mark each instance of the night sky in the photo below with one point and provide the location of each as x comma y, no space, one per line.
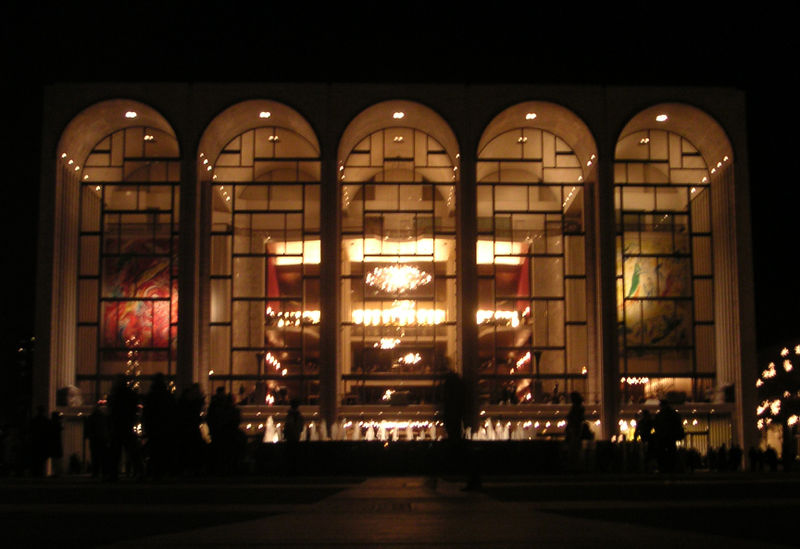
754,52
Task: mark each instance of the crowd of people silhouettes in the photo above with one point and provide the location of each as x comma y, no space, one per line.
154,435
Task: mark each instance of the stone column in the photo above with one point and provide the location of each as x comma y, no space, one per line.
594,375
64,281
189,242
605,291
735,353
330,213
467,278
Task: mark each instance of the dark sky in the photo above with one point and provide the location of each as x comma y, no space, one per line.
753,51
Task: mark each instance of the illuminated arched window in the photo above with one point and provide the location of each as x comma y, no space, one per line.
532,310
264,262
665,285
128,259
398,313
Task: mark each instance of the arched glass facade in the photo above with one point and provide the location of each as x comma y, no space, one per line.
398,267
532,310
664,266
264,267
127,310
328,256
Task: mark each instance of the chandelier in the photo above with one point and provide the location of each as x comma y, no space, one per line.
410,359
397,278
387,343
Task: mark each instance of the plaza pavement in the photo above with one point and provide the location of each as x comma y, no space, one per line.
399,512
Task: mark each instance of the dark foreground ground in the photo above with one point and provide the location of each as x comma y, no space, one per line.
701,510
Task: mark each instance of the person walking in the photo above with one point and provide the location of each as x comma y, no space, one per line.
668,430
292,429
123,403
96,431
158,422
574,431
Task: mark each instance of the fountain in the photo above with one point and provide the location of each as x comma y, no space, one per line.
269,431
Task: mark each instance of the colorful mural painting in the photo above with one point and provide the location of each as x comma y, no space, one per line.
648,320
140,296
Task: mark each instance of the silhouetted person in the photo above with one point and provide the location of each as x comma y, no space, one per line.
644,433
667,431
454,400
96,431
292,429
509,395
14,447
227,442
40,427
756,459
735,457
459,451
574,429
712,459
158,421
722,458
771,459
123,404
191,446
55,444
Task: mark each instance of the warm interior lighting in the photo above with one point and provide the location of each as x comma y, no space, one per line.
397,278
377,250
402,313
661,118
410,359
131,114
398,115
530,116
270,360
296,253
291,318
500,252
635,380
501,318
264,114
387,343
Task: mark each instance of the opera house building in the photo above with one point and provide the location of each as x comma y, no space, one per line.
347,245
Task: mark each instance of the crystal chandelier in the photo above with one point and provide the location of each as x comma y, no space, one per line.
387,343
409,359
397,278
